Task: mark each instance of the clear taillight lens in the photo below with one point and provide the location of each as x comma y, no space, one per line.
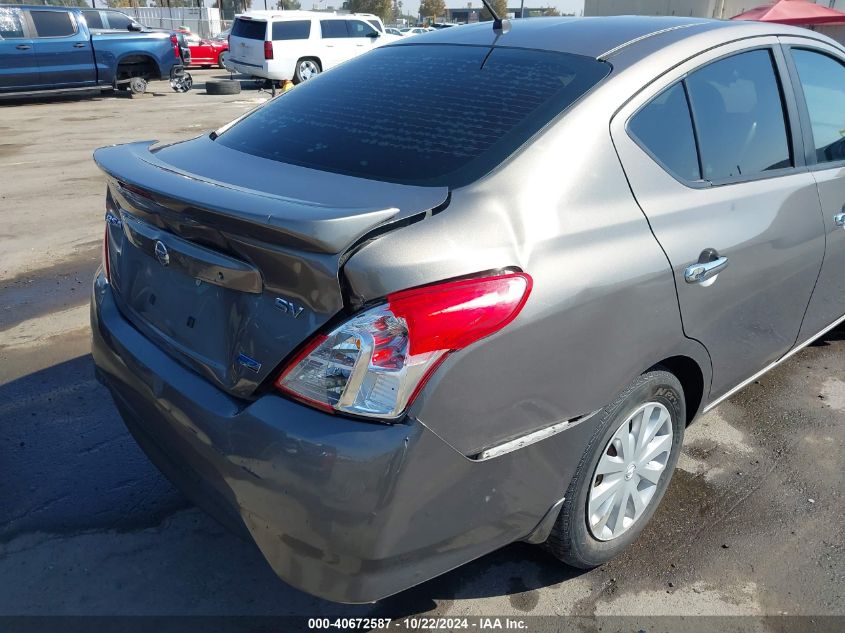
377,362
106,253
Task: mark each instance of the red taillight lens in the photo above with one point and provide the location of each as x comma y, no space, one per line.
175,42
268,50
377,362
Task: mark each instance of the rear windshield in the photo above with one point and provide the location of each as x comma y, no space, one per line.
249,29
418,114
292,30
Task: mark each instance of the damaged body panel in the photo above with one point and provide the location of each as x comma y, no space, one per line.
383,347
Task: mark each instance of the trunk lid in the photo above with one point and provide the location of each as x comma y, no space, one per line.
246,41
229,262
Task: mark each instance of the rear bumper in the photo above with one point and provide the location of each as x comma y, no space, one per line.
346,510
276,69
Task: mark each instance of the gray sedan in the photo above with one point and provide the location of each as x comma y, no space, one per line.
387,331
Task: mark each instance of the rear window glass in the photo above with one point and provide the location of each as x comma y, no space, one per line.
664,128
93,19
292,30
10,23
52,23
249,29
430,115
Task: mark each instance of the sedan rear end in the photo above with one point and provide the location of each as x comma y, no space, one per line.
282,397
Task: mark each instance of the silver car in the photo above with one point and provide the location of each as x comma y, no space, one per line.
387,330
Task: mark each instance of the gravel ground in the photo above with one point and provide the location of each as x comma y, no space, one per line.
751,524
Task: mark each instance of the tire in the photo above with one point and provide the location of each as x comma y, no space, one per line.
137,85
223,87
221,59
306,68
578,537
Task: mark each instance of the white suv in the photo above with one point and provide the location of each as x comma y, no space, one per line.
298,45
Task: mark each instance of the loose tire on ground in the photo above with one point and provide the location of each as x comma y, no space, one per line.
572,539
223,87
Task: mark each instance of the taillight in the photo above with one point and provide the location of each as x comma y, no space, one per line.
376,363
175,41
268,50
106,253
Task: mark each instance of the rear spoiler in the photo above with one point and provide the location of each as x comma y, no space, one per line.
313,227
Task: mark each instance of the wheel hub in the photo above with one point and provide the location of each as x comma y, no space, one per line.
628,471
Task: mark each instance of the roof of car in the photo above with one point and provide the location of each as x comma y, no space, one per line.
597,37
300,15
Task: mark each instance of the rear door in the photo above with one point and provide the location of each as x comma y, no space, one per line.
63,50
246,43
819,76
720,174
18,70
337,45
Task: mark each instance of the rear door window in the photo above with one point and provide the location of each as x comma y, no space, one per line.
359,28
249,29
53,23
11,25
430,115
823,82
93,19
332,29
292,30
663,127
739,116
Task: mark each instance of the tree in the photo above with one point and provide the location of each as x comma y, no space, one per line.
499,6
432,8
381,8
550,12
289,5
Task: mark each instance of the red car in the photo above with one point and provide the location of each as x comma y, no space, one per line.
207,53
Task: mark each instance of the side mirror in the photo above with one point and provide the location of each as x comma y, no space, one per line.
374,34
134,26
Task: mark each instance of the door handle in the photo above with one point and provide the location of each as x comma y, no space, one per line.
80,45
839,219
702,271
23,47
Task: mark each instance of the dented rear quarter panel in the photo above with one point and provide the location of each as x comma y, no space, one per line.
603,308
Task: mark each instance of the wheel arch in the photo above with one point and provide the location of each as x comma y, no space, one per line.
692,378
138,59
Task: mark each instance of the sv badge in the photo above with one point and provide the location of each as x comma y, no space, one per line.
288,307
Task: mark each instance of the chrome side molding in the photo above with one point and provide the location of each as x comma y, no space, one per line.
530,438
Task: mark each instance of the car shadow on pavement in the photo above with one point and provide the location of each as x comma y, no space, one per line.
72,476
